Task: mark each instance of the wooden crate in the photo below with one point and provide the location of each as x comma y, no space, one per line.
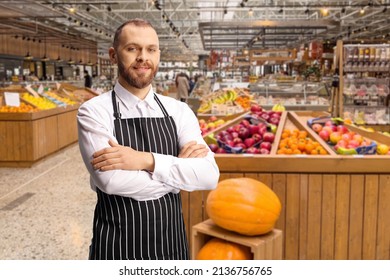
264,247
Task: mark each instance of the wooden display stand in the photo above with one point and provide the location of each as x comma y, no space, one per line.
29,137
333,206
264,247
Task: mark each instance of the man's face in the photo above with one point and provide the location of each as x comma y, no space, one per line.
138,56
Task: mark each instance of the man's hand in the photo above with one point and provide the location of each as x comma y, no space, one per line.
193,150
122,157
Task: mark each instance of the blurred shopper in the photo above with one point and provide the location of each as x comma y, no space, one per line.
183,87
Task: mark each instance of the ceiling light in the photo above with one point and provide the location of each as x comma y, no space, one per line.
72,10
45,58
343,10
109,8
281,10
362,11
28,56
325,12
250,12
59,59
88,9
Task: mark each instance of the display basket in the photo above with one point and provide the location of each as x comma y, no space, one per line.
361,150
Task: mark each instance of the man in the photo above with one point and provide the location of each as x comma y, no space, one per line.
141,149
87,79
183,86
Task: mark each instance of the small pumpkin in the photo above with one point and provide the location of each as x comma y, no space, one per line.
219,249
243,205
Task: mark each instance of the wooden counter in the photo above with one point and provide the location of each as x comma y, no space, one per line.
334,207
26,138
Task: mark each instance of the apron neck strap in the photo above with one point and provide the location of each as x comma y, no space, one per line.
115,106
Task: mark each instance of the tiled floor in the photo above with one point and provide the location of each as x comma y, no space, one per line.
46,211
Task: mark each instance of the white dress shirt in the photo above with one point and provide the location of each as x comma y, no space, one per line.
171,174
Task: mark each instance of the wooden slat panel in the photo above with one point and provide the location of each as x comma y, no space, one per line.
328,217
67,129
9,140
356,218
314,217
279,187
266,178
342,217
3,140
370,217
303,216
292,216
383,244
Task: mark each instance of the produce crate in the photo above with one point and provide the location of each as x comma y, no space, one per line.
263,247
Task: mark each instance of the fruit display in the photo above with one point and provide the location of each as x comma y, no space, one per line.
243,205
253,134
343,140
219,249
228,96
210,124
296,142
23,108
40,102
63,100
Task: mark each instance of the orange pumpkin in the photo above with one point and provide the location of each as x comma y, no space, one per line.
219,249
243,205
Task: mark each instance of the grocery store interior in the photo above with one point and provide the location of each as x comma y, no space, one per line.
294,94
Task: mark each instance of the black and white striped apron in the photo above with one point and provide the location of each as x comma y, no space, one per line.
125,228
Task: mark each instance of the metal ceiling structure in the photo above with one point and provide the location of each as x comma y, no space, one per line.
188,28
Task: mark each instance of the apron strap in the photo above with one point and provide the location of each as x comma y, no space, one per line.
161,106
115,106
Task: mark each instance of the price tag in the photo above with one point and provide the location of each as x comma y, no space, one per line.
30,90
58,85
12,99
40,89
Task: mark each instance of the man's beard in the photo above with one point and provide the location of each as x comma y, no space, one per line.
134,80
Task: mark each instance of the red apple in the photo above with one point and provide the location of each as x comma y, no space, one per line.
220,151
256,108
328,123
266,145
342,129
324,134
264,151
245,123
213,119
249,142
257,137
269,137
213,147
252,150
240,145
264,116
317,127
237,140
262,130
253,129
243,133
274,120
353,144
